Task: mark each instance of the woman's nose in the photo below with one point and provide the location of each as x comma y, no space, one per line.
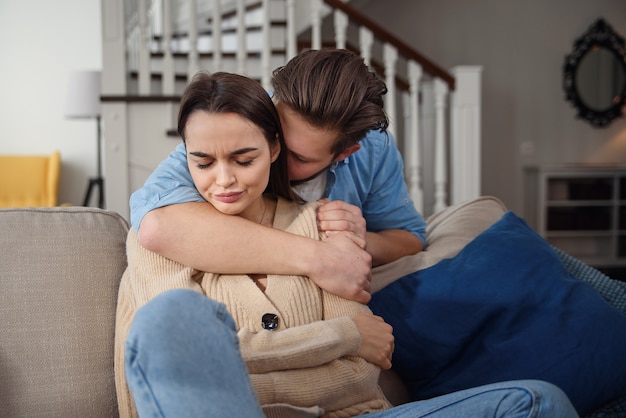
225,176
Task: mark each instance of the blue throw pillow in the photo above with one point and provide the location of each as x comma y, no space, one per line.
505,308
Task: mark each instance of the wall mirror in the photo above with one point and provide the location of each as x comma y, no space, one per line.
594,76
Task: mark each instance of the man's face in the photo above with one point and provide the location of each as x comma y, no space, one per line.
308,148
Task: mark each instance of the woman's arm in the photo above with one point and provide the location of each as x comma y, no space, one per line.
324,386
196,235
299,347
345,328
148,274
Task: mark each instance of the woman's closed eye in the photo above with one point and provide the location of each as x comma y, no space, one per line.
245,163
242,163
202,166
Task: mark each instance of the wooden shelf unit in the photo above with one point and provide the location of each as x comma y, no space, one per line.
581,209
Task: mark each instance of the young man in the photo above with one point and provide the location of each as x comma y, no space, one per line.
330,107
332,116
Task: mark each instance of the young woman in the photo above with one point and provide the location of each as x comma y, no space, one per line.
249,345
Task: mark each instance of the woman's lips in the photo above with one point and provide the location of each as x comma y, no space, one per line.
228,197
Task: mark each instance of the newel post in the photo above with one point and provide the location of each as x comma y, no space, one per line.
114,114
465,134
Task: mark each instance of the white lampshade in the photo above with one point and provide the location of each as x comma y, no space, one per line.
83,95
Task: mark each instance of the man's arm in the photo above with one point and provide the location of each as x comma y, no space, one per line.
391,244
371,186
197,235
384,246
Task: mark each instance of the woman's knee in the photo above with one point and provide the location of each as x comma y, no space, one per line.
173,311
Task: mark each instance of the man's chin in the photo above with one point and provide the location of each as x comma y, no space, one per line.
295,182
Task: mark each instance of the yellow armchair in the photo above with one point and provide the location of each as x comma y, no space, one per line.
29,180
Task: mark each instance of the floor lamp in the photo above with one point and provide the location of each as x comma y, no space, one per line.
83,101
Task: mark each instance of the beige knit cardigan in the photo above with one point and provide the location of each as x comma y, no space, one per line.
307,367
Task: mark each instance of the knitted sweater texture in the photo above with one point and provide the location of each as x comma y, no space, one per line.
307,367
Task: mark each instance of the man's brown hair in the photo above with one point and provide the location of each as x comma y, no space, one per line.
333,89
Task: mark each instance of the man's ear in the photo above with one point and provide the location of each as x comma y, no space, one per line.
347,152
275,151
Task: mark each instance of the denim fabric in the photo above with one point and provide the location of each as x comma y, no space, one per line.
521,398
183,360
372,179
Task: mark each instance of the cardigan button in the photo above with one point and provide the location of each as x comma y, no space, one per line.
269,321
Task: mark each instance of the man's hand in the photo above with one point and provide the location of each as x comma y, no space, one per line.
343,268
338,216
377,341
384,246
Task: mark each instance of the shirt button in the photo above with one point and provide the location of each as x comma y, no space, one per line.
269,321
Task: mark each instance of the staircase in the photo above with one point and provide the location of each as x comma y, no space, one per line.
151,48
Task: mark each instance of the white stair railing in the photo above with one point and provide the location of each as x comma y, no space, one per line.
412,156
168,59
170,40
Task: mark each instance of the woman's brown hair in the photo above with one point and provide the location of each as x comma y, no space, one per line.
232,93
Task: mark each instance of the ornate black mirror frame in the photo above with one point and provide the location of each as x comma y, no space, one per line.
599,35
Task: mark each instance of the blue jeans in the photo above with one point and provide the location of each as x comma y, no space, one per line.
183,360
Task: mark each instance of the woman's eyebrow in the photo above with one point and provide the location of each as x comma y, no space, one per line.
241,151
244,151
199,154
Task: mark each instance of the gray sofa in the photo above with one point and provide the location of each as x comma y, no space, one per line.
59,273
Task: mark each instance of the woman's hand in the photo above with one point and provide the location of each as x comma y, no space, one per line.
377,341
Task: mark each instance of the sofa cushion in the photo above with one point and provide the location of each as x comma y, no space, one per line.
505,308
59,273
448,232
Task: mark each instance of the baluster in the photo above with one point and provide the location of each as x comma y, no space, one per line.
266,51
341,28
193,65
168,60
216,35
116,63
144,49
413,141
390,56
132,43
366,40
316,24
241,37
441,90
292,48
156,19
465,133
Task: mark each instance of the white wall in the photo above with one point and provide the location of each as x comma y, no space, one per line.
41,41
521,46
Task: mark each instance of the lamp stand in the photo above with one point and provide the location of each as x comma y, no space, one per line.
97,181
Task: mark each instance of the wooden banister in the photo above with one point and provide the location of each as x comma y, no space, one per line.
403,48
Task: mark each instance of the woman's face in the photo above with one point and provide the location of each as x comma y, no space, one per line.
229,160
